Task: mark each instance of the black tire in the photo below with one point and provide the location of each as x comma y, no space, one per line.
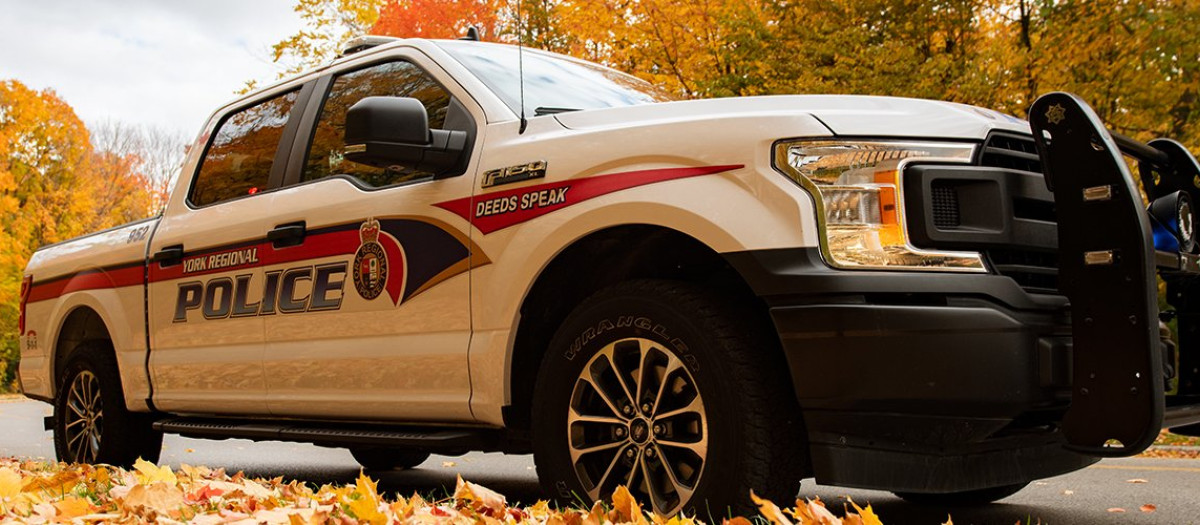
747,412
372,458
91,423
970,498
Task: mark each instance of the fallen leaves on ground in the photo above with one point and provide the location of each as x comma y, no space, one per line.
44,493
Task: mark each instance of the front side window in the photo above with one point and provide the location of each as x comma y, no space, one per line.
238,161
392,79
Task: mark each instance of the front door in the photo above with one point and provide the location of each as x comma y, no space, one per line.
383,272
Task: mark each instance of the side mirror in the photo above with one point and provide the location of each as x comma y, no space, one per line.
389,131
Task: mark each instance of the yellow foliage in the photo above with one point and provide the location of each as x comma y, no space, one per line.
148,473
200,495
10,483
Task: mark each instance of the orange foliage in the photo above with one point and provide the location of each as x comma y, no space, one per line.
438,18
53,186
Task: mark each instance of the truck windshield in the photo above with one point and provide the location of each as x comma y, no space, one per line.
553,83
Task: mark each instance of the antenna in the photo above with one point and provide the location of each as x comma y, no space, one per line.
521,65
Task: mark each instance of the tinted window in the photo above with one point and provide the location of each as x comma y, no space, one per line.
238,161
393,79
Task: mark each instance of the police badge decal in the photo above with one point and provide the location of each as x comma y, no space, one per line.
370,262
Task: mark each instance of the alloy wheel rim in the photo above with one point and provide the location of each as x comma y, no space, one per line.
84,420
636,418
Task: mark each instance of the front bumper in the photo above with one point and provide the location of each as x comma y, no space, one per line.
929,344
920,382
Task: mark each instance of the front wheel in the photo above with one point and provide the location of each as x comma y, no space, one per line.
672,391
969,498
91,423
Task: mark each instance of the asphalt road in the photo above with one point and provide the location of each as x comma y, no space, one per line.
1083,497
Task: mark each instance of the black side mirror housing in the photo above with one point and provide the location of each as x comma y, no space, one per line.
390,131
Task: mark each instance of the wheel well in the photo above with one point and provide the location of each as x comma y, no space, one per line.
81,325
597,261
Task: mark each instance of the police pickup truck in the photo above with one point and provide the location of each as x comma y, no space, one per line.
447,246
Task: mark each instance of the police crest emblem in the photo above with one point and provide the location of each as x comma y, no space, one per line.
370,262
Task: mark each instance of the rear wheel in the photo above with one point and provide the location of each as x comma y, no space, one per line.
388,458
969,498
672,391
91,423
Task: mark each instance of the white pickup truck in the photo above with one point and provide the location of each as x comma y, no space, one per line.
419,249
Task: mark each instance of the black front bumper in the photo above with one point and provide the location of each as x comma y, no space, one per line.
925,343
927,382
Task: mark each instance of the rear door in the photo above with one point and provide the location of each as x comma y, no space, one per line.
207,291
387,327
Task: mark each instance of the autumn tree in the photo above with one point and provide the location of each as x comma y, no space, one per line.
438,18
53,186
150,153
327,25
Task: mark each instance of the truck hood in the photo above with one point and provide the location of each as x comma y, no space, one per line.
842,114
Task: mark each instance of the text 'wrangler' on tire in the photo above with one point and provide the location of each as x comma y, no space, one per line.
410,251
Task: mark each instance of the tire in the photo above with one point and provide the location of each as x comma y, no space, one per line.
388,458
723,423
91,423
970,498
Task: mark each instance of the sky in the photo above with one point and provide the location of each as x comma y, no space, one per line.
165,63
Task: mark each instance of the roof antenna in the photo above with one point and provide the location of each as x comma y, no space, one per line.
521,66
472,34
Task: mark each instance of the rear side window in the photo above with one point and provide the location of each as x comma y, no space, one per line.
392,79
238,161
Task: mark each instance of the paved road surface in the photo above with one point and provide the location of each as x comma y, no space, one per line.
1078,498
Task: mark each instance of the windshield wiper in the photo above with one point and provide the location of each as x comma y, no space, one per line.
543,110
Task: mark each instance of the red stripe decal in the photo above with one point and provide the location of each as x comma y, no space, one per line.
89,280
495,211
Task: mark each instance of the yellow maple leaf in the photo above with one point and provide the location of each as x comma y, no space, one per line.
56,485
73,507
482,496
868,514
626,507
770,510
540,510
365,506
10,483
148,473
159,497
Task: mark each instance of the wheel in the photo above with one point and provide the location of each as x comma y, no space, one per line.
967,498
91,423
388,458
672,391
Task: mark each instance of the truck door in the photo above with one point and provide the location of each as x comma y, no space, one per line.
208,292
384,273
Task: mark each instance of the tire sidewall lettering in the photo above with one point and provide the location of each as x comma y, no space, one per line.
611,328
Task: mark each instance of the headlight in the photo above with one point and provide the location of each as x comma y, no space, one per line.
860,207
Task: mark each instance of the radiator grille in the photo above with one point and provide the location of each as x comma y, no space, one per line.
1004,150
1036,270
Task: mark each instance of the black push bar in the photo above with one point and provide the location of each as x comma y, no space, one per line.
1109,270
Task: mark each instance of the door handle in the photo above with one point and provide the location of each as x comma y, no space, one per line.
169,255
290,234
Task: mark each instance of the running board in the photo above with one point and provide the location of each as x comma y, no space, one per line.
336,435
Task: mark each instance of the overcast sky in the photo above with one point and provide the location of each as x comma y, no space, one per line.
167,63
